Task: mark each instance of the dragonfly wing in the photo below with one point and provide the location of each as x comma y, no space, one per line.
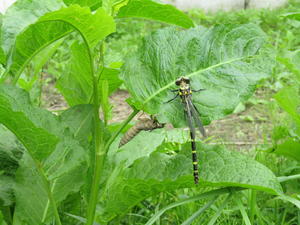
189,117
196,115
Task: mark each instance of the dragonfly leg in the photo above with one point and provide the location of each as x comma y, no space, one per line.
172,99
199,90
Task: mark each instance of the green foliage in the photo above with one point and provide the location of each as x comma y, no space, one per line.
64,163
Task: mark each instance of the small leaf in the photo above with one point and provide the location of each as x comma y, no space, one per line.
289,148
154,11
291,61
288,99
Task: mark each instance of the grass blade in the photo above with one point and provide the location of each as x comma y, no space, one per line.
192,199
201,210
79,218
216,216
287,178
243,211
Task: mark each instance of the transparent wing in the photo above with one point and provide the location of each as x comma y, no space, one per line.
196,116
189,118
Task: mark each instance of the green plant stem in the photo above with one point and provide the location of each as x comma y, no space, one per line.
283,217
4,77
40,88
192,199
252,205
243,211
115,135
200,211
98,167
99,150
215,217
287,178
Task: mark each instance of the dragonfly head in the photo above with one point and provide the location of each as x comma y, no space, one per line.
183,82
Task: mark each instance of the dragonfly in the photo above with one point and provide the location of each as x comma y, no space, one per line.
192,116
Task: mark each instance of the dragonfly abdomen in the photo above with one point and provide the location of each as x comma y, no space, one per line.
194,158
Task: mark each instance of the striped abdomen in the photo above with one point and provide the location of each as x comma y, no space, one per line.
142,124
195,159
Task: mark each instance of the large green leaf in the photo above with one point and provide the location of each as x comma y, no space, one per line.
55,25
144,173
50,146
76,83
23,13
154,11
223,60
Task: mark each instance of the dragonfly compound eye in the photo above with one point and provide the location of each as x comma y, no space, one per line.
186,80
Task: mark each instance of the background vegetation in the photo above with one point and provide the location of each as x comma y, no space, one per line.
263,131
